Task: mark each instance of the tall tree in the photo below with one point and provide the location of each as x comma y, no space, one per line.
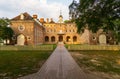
73,10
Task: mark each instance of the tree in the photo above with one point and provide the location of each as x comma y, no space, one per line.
117,29
5,31
2,25
97,14
73,10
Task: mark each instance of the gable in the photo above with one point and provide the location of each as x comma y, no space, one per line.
25,16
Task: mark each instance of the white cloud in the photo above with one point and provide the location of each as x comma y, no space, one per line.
43,1
11,8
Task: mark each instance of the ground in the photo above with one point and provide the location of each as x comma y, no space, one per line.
96,64
105,64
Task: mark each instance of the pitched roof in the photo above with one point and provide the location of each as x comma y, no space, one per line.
26,17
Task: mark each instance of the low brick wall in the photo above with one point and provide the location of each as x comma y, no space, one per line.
41,48
94,47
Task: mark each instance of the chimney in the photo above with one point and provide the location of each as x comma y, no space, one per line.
47,20
42,20
21,16
51,19
35,16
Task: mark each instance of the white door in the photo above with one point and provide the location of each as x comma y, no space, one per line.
21,39
102,39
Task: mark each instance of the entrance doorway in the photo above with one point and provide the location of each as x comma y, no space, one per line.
21,39
102,39
60,38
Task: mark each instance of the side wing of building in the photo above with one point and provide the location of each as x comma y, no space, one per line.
28,31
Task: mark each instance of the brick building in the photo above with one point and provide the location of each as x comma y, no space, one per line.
60,32
29,30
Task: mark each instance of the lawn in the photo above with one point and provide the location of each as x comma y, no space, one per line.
44,47
92,47
107,62
18,63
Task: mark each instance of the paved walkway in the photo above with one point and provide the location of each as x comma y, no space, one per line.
60,65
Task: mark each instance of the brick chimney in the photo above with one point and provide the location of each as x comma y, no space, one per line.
47,20
51,20
35,16
42,20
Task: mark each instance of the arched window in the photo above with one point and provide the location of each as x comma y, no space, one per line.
68,38
52,39
74,38
46,39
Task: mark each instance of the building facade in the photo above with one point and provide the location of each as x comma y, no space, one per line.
29,30
60,32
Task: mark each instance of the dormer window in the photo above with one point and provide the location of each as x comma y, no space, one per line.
22,17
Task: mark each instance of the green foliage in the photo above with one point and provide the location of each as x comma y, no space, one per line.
4,22
5,31
68,21
97,14
117,28
1,41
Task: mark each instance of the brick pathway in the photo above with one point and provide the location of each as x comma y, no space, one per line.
60,65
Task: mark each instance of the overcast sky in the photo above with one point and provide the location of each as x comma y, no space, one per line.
43,8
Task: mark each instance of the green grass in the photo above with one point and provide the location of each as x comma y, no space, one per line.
92,47
53,45
46,47
19,63
100,61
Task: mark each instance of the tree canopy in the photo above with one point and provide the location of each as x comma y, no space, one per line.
5,31
96,14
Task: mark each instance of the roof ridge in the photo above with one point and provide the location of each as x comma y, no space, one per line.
27,16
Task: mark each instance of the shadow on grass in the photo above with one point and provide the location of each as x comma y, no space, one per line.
98,61
14,64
